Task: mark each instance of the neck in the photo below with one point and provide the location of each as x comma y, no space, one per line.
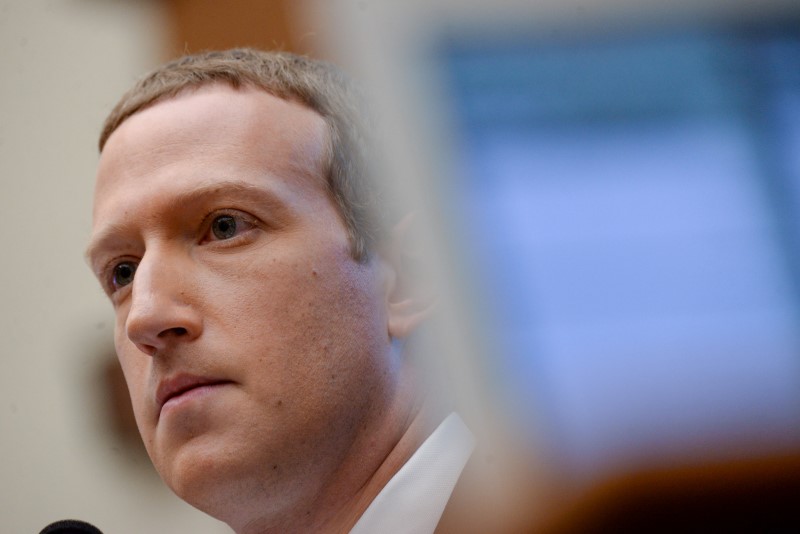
374,458
419,427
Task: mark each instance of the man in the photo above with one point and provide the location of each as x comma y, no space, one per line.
261,312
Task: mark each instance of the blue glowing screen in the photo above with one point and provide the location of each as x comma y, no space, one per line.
631,209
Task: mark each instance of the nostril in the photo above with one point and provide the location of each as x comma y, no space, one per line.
176,331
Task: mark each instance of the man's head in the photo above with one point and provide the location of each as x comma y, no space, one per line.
317,85
257,341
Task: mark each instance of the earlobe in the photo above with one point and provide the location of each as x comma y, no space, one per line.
405,316
409,301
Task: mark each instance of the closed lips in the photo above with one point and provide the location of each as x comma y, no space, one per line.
180,385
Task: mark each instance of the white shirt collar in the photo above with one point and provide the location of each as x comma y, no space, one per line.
414,499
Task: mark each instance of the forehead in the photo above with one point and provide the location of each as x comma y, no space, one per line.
214,133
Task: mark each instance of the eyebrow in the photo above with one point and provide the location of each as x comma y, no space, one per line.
227,189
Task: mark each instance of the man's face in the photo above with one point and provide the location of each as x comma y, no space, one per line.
253,344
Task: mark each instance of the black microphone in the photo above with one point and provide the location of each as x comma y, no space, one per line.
70,526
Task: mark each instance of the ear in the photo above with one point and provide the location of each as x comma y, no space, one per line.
409,301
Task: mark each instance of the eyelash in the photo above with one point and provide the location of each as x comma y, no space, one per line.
238,216
246,221
110,274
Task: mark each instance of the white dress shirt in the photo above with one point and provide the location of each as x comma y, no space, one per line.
415,497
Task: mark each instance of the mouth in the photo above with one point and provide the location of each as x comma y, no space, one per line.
173,389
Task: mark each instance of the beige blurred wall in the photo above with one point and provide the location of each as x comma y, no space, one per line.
64,63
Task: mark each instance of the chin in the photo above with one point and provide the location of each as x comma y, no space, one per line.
221,482
193,473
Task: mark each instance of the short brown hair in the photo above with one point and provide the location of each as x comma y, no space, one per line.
315,84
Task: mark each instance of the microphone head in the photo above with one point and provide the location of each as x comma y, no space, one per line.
70,526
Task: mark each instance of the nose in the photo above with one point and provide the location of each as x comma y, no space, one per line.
162,312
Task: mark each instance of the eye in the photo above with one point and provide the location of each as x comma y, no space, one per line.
228,227
223,227
122,274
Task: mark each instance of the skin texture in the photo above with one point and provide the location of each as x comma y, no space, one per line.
312,407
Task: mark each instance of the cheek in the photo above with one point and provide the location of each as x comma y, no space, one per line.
286,285
332,326
135,369
301,313
313,301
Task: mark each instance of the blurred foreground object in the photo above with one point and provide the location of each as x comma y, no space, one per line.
613,194
745,496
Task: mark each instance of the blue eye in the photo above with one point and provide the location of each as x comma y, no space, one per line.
123,273
223,227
